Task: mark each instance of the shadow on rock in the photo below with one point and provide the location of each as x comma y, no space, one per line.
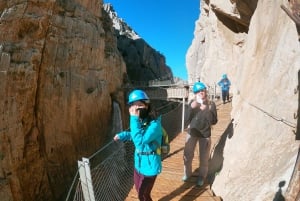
217,158
278,195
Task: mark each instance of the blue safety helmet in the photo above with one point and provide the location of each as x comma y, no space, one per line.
198,86
224,76
138,95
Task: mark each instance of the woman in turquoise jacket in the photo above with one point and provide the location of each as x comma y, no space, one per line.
146,134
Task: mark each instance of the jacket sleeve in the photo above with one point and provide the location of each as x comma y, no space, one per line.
220,83
153,131
124,135
144,137
190,114
136,131
214,114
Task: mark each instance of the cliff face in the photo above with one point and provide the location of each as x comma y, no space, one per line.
60,69
257,44
143,63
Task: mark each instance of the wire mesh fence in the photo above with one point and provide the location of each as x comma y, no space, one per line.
112,166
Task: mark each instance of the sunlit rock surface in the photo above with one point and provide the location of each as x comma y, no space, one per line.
62,66
256,43
143,63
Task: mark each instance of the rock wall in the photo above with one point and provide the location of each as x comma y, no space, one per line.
257,44
143,63
60,69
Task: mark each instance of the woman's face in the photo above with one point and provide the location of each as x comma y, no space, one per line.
201,94
139,109
139,104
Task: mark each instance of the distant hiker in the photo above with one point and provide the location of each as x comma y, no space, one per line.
202,115
146,134
225,83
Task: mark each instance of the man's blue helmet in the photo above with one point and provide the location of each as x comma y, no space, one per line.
198,86
138,95
224,76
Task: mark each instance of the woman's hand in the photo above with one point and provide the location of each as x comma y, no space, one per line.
195,104
202,107
116,138
133,110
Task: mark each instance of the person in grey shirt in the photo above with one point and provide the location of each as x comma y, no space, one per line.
202,115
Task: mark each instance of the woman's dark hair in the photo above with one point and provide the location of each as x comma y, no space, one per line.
152,112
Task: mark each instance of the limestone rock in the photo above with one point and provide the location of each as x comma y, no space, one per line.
143,63
256,44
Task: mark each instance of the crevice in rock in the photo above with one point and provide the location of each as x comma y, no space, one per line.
233,22
239,20
294,14
41,138
298,113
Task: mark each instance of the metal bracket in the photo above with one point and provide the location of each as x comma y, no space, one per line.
296,115
294,14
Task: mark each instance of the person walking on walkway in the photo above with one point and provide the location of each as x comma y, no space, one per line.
146,134
225,84
202,115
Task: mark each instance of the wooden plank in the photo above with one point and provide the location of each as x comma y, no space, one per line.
168,185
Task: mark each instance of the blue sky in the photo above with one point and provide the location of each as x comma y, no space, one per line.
166,25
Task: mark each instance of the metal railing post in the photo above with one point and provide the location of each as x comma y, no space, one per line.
215,91
86,180
183,108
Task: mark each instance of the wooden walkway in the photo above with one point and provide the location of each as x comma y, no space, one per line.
168,185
